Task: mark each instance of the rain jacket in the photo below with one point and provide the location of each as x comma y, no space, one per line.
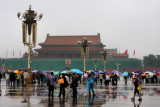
90,82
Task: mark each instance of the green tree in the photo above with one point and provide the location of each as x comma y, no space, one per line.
158,61
150,61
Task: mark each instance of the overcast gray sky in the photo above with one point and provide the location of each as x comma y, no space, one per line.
123,24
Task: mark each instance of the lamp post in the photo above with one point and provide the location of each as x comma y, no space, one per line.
30,17
117,64
95,63
104,57
84,50
3,63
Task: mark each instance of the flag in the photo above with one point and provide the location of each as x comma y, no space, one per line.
7,54
126,52
134,53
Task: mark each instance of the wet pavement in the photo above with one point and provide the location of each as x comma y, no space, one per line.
111,96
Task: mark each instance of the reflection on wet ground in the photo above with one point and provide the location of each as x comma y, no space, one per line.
114,96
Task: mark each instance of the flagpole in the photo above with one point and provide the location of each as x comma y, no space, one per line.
134,54
13,54
7,54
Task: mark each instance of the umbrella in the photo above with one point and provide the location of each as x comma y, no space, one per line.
158,73
56,73
150,73
64,72
144,74
88,71
125,74
116,72
34,71
16,71
97,72
107,73
85,75
76,71
43,72
10,70
101,72
110,73
138,72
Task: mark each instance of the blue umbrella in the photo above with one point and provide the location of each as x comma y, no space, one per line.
76,71
125,74
138,72
101,72
64,72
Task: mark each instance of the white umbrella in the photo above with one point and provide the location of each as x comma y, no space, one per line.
150,73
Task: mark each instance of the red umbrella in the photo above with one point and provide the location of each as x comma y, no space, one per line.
106,73
16,71
110,73
158,73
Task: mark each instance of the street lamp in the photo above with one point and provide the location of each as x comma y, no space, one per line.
95,63
104,57
117,64
84,50
29,17
3,63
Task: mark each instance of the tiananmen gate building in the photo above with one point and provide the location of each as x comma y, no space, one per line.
66,47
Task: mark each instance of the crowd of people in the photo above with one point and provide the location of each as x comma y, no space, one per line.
144,77
72,80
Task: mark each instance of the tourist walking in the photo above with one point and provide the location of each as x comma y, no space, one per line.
68,82
101,78
62,86
25,76
33,78
12,78
17,78
125,80
107,79
50,84
38,78
7,79
115,78
85,78
136,84
41,78
90,85
74,85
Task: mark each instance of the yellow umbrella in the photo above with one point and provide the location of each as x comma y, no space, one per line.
88,71
9,70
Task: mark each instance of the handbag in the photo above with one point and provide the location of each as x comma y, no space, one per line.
61,81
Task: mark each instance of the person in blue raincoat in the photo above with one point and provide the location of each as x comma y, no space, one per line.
90,85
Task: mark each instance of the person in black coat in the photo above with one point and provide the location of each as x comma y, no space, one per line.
74,85
12,78
62,86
